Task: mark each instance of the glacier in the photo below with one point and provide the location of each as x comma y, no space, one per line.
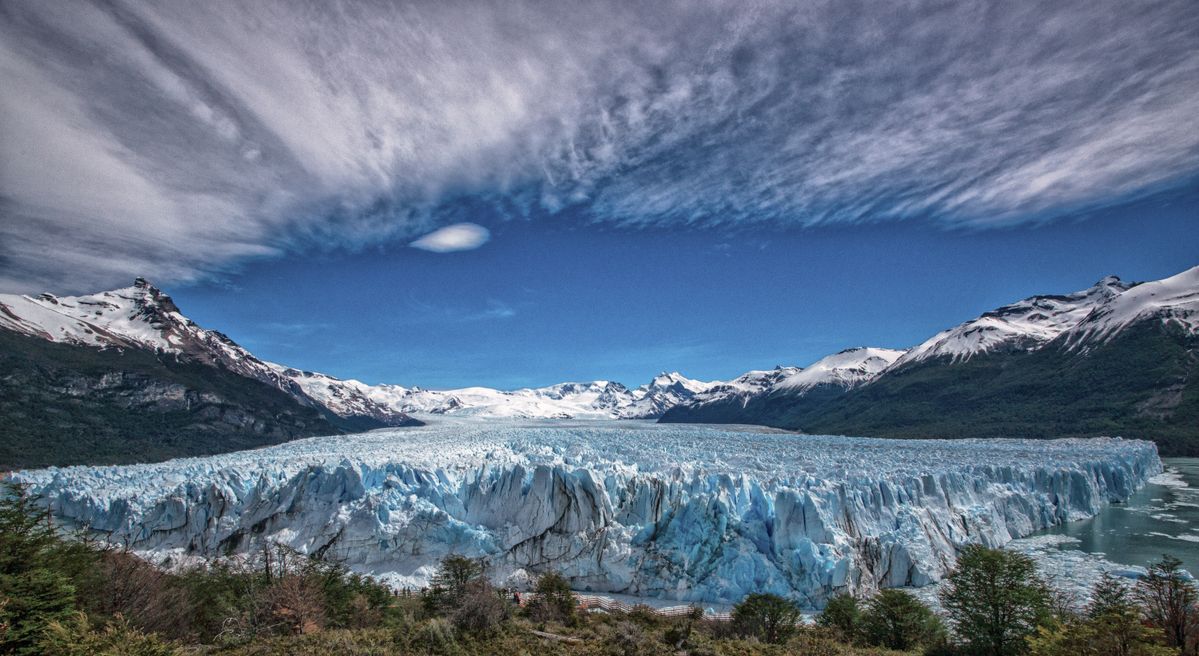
694,513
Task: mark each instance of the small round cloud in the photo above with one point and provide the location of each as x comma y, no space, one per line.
456,237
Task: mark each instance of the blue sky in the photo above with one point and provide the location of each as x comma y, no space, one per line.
547,302
594,188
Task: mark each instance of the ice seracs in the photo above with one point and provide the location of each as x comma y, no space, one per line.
694,513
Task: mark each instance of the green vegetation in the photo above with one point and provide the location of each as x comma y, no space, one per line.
62,404
69,597
896,620
996,600
1111,626
766,617
1144,384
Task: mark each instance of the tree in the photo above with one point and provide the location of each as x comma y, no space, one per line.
842,615
996,600
897,620
767,617
450,582
481,611
296,603
34,572
554,601
1169,600
1109,626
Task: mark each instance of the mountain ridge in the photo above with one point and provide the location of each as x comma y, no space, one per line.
1140,335
1116,358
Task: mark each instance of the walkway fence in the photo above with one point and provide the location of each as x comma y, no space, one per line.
610,605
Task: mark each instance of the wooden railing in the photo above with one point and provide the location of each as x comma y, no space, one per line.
608,604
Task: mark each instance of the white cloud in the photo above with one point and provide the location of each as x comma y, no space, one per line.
457,237
176,138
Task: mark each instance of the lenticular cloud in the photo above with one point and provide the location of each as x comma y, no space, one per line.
457,237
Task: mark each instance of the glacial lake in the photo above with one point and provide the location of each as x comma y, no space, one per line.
1163,517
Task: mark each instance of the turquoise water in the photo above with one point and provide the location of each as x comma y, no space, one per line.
1162,518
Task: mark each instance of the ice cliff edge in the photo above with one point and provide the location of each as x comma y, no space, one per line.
695,513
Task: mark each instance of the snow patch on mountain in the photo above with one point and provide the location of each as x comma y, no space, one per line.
694,513
847,369
137,316
144,317
1173,300
590,400
1028,324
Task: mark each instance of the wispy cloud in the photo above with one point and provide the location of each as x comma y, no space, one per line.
456,237
447,312
177,138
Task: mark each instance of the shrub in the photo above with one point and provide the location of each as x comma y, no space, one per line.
77,637
996,600
554,601
436,638
842,615
296,604
449,583
896,620
628,639
151,599
481,611
767,617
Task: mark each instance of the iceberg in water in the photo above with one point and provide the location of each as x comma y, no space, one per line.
675,511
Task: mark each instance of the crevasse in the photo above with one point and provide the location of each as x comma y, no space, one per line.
693,513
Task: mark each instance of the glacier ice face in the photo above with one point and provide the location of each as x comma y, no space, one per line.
686,512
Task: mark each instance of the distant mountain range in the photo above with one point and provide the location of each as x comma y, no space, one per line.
124,376
1114,359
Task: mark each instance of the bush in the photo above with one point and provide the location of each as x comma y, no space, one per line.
152,600
628,639
296,604
481,611
436,638
77,637
996,600
896,620
449,584
842,615
678,634
554,601
767,617
1110,626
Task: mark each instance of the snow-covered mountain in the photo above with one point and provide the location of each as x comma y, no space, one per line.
836,373
1095,314
1027,324
1172,301
1151,329
143,317
847,369
1115,357
599,399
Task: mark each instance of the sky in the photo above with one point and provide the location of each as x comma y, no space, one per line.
517,193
